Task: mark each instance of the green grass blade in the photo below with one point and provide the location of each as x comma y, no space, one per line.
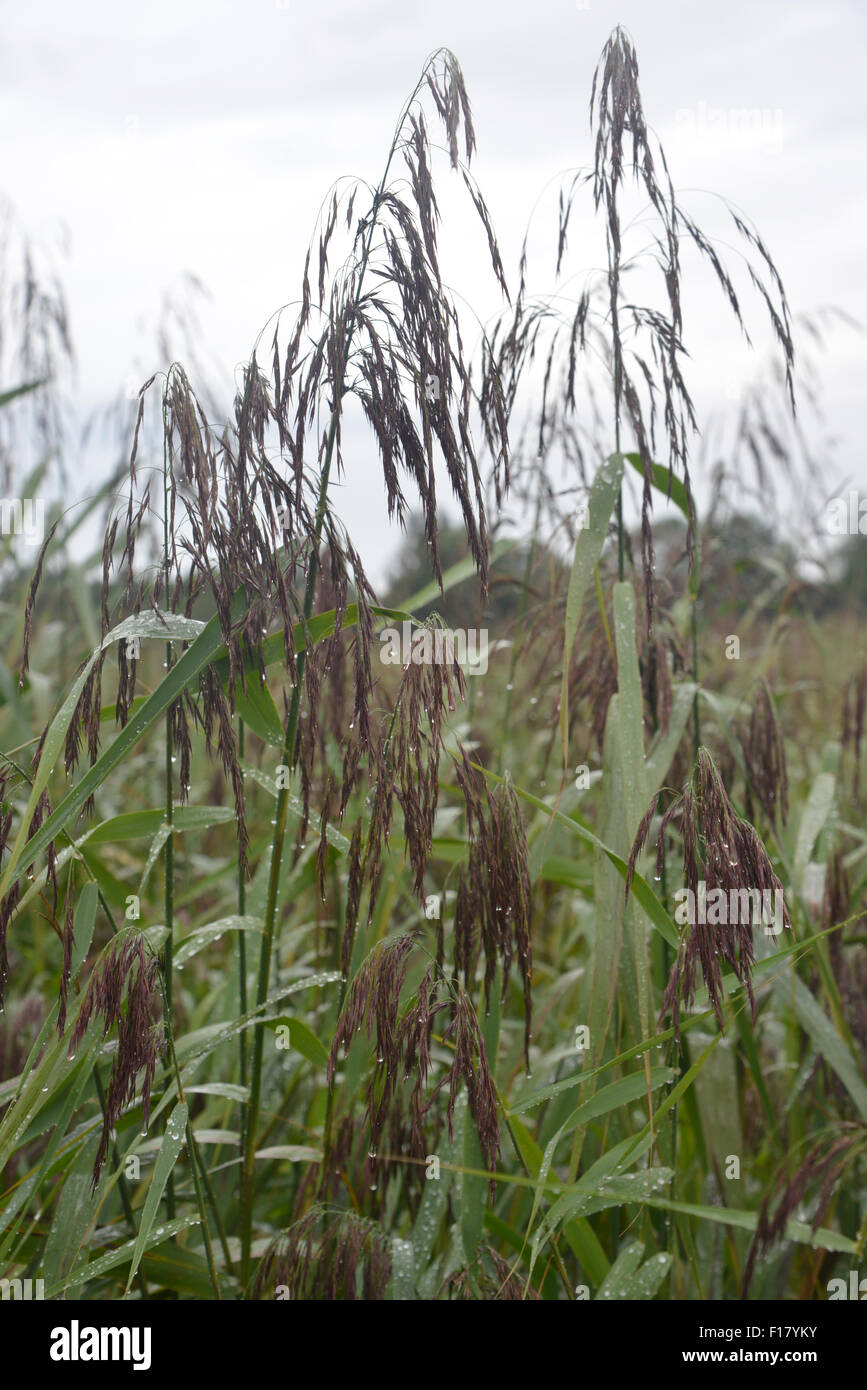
170,1148
588,548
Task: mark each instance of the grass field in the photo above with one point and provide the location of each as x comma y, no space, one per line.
496,938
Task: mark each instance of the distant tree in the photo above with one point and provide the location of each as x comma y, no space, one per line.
850,588
459,606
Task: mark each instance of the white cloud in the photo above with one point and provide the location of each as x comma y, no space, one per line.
203,136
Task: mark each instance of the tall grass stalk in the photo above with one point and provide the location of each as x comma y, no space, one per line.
290,738
169,850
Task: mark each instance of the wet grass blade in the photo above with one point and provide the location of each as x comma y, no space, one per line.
588,548
170,1148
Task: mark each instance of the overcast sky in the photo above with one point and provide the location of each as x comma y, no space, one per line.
189,136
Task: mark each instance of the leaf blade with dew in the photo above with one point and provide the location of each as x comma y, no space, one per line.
819,1027
143,625
37,1087
83,926
182,1271
647,1280
799,1231
471,1194
295,805
435,1198
818,808
225,1089
56,1144
301,1038
193,1047
625,1266
667,482
104,1264
255,705
584,1199
635,796
289,1153
588,548
72,1217
205,650
621,1092
134,825
402,1285
608,901
200,937
170,1148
